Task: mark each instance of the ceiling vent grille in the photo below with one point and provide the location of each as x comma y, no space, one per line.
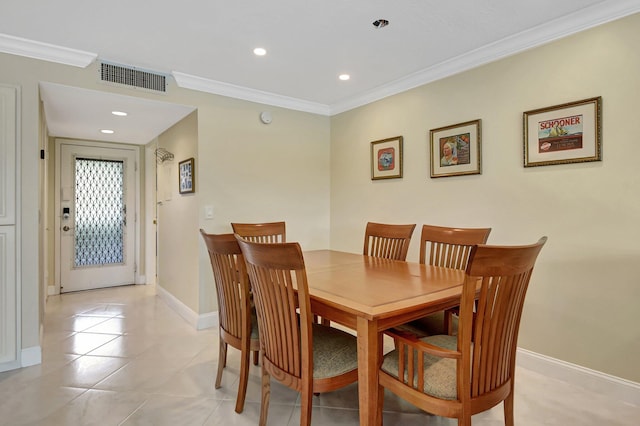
132,77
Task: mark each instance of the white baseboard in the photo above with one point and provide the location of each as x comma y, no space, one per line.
31,356
604,384
199,322
141,279
208,320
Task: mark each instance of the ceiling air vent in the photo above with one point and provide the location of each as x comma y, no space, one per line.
132,77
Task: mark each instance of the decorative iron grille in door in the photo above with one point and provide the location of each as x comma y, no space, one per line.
100,215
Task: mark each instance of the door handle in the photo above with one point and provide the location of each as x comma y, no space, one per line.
65,228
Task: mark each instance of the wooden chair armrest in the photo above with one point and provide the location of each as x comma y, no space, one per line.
411,340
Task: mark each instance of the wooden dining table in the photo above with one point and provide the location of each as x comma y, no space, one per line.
370,295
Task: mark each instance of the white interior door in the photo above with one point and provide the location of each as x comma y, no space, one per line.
96,216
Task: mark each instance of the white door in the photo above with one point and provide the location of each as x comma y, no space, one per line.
96,216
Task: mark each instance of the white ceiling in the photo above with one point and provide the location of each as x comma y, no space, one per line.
207,45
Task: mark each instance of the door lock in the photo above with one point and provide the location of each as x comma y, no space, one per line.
65,228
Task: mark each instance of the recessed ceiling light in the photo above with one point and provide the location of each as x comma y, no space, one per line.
259,51
344,77
107,131
119,113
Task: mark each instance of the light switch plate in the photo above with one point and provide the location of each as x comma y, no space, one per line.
208,212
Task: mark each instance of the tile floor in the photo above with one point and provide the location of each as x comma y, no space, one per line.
121,356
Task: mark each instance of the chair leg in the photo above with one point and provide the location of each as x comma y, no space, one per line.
266,394
255,357
222,362
380,405
448,322
465,420
244,378
305,408
508,410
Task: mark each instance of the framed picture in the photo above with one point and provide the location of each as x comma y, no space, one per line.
455,150
386,158
187,177
561,134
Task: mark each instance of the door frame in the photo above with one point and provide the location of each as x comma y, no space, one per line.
57,215
12,355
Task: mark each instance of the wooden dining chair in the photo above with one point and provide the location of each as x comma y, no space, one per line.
449,248
305,356
269,232
238,325
457,376
387,241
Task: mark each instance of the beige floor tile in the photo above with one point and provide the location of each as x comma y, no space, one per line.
85,371
34,401
83,343
140,375
224,415
162,410
96,408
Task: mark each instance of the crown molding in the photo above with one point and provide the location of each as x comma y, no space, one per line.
187,81
550,31
46,52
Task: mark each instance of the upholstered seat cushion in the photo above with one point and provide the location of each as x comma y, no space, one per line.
439,373
335,352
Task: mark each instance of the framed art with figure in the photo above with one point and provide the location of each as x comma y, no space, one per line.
186,176
455,149
386,158
562,134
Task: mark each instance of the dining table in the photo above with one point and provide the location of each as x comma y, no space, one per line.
369,295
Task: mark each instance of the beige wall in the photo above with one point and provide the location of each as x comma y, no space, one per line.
178,216
252,172
582,305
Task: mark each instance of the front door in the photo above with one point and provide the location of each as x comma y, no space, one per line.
96,216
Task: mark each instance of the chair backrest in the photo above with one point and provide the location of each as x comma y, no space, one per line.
498,277
280,291
450,247
270,232
232,283
387,241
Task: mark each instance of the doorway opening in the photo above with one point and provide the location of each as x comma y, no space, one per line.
97,202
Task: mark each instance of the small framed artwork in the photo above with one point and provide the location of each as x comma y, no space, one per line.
186,174
455,150
562,134
386,158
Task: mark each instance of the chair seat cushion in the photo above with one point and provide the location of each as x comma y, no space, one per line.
335,352
439,373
